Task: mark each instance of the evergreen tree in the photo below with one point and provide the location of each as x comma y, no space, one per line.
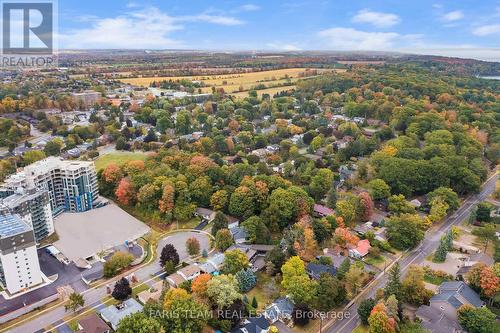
442,250
343,268
254,303
393,286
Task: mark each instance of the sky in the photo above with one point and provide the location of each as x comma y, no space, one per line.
465,28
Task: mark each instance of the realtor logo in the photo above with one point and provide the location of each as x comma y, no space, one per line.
28,30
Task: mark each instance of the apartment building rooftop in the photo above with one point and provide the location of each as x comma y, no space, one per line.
19,196
11,225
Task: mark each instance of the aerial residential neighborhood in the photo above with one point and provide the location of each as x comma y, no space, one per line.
314,167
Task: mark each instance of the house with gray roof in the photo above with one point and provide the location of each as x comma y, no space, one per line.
213,263
239,234
257,324
114,313
443,306
280,310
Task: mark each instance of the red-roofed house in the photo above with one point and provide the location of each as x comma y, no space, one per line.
322,211
361,249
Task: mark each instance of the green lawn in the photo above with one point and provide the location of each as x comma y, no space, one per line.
136,290
432,279
261,290
119,157
375,261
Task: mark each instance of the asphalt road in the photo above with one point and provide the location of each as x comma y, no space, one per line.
93,297
415,257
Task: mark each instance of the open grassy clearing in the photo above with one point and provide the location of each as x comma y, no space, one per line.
119,157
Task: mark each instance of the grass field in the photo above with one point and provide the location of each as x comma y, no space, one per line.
233,82
119,157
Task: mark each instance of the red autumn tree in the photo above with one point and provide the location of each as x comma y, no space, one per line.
125,192
366,204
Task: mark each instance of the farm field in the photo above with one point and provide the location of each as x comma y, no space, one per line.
270,91
233,83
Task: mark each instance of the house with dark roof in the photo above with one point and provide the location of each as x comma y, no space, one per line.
253,325
239,234
322,211
443,306
437,322
92,324
315,270
280,310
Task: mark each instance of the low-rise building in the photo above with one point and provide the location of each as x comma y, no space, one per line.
315,270
92,324
322,211
361,249
187,273
114,313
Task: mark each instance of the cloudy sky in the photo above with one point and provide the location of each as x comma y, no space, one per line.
467,28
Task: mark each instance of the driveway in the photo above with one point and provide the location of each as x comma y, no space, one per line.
178,240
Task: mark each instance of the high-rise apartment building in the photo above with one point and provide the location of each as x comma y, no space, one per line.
71,185
33,206
19,266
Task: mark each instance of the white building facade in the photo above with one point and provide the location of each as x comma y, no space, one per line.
19,266
71,185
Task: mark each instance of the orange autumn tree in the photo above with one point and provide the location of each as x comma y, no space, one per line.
379,321
199,285
345,238
112,173
490,283
125,192
166,203
135,166
307,247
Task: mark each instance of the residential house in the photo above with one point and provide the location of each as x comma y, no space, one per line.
246,249
315,270
114,313
213,263
280,310
205,214
92,324
187,273
436,321
239,234
322,211
442,308
253,325
361,249
451,296
153,293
